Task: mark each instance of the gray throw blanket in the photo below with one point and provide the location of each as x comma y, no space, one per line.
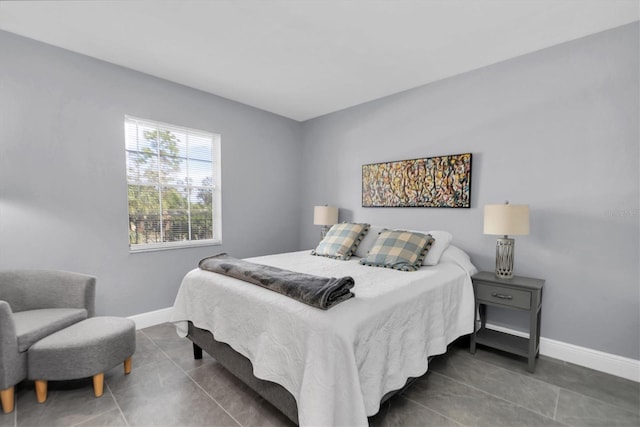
320,292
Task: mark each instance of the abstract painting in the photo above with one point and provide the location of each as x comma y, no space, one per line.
432,182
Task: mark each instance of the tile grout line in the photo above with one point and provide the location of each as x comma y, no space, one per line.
192,380
210,397
502,368
611,405
92,417
564,363
118,405
493,395
104,412
602,402
510,372
433,410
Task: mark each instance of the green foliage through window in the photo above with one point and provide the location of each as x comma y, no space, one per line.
173,184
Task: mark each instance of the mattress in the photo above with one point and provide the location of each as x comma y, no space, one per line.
337,363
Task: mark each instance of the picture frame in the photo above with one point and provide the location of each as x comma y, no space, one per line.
429,182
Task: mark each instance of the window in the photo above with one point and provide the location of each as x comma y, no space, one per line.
173,178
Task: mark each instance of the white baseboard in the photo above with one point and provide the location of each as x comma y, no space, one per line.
151,318
593,359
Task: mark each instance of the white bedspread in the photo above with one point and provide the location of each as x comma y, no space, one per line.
337,363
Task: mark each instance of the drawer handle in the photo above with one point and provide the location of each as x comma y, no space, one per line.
501,296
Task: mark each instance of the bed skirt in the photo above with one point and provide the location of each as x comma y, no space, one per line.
242,369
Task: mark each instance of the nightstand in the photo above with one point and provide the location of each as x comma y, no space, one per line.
517,293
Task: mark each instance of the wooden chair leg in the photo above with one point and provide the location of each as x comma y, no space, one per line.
98,384
41,390
7,398
127,365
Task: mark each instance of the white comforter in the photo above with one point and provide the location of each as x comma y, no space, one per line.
337,363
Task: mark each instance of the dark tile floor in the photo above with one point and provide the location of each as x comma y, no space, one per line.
167,387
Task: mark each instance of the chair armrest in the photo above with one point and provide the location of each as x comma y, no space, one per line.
7,326
9,354
35,289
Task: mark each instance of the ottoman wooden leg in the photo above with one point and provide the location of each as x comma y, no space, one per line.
98,384
7,398
127,365
41,390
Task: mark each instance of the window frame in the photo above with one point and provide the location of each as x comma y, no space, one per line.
216,188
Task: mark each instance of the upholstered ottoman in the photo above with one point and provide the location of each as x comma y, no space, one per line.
85,349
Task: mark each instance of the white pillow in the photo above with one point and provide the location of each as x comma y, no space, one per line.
442,239
367,242
441,243
458,256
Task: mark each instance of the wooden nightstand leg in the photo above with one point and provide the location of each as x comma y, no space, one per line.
533,339
538,336
482,308
531,367
472,345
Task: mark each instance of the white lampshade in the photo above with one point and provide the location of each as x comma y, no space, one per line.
506,220
325,215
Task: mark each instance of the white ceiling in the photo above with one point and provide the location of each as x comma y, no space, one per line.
302,59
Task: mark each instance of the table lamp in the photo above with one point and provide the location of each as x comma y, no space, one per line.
506,220
325,216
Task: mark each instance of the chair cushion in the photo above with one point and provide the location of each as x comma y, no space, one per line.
33,325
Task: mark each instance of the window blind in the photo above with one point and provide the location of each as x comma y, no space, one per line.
173,179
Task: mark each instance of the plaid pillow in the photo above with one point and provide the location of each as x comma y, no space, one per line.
341,240
400,250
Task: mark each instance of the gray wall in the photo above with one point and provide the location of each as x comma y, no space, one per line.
63,202
556,129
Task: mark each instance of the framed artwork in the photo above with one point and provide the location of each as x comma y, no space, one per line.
431,182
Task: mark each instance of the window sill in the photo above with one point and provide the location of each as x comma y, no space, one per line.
153,247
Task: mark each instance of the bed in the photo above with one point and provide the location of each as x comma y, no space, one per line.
329,367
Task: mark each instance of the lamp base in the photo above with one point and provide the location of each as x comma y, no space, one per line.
504,258
323,231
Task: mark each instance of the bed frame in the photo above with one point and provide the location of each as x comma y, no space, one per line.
241,367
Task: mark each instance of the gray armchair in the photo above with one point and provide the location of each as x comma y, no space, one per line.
34,304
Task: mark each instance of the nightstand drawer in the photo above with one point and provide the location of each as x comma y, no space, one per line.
502,295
